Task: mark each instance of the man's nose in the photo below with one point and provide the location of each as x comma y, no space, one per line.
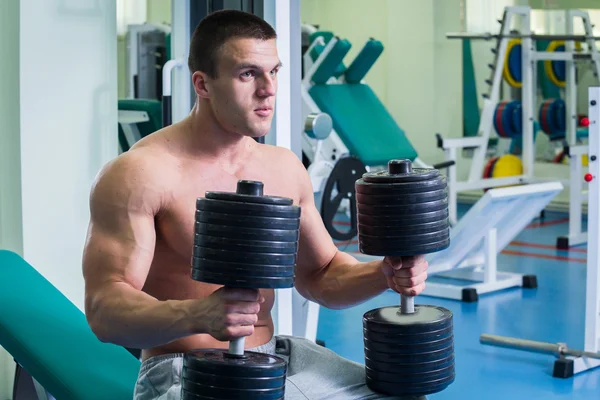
268,86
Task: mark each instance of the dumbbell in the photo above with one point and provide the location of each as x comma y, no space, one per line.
246,240
403,212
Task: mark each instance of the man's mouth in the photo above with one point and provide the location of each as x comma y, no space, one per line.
264,111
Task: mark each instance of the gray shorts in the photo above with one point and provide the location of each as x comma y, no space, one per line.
314,372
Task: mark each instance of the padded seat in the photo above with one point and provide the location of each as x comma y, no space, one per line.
363,123
50,338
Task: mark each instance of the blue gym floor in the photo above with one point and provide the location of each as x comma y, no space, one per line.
554,312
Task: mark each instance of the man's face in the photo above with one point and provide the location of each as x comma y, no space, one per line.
243,94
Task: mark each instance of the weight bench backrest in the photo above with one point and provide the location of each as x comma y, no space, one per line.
50,338
363,123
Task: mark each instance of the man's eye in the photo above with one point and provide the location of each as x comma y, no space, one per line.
247,74
274,72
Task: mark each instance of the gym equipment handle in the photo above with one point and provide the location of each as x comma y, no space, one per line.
407,304
557,349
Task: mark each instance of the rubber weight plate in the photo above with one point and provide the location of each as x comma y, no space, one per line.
411,358
251,365
242,257
240,208
402,199
233,232
185,395
229,393
249,192
403,339
403,250
403,209
243,270
376,188
402,230
396,388
425,319
237,383
247,221
394,348
245,245
411,367
226,279
414,219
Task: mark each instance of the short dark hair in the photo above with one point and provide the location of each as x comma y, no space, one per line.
216,29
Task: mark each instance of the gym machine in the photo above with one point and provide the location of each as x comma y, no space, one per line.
570,362
528,104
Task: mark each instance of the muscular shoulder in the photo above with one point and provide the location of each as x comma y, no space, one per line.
135,180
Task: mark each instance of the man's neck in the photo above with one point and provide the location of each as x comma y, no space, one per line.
207,139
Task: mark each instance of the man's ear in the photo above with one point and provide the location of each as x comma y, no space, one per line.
201,84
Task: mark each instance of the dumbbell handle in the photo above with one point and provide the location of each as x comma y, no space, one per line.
236,347
407,304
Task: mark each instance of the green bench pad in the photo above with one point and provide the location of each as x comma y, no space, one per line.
363,123
50,338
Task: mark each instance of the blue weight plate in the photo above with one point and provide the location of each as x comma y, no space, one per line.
560,115
507,120
514,63
559,67
516,118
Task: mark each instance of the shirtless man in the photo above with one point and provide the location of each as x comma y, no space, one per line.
136,262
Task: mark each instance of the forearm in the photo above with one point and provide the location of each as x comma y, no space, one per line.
346,282
128,317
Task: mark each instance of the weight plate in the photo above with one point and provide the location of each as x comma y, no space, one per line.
498,120
250,246
401,229
233,232
247,221
401,171
404,251
516,118
400,239
185,395
414,219
243,257
402,198
230,393
400,188
408,339
393,348
411,378
252,365
413,358
243,270
226,279
238,208
394,389
405,368
392,209
228,382
426,318
246,198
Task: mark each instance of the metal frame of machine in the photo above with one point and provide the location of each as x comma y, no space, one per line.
529,56
571,362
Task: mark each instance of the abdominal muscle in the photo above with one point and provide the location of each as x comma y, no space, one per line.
170,281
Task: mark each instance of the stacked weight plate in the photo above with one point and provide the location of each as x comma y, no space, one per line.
246,240
403,212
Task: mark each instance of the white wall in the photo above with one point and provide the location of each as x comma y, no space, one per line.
65,102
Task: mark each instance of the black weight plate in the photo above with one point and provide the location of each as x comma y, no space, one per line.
404,209
250,246
402,198
240,269
409,367
238,208
230,393
233,232
228,382
415,358
402,229
411,378
395,389
426,318
185,395
252,365
405,251
404,339
243,281
243,257
400,188
398,239
246,198
416,175
393,348
247,221
414,219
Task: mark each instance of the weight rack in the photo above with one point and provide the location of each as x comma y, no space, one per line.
571,362
529,58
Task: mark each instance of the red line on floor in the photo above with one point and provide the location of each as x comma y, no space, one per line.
544,256
545,246
547,223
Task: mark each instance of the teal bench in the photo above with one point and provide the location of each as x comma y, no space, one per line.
51,341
